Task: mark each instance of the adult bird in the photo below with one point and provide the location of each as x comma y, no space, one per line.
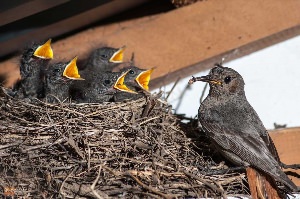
235,128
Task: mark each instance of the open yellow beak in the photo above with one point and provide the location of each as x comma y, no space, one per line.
118,56
120,85
44,51
71,70
143,79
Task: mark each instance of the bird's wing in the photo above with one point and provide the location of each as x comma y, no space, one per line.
263,133
250,147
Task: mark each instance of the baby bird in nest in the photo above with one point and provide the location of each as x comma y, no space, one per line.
58,78
99,88
33,62
103,59
137,80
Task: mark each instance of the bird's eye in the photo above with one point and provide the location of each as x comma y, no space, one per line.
104,56
131,72
57,70
227,79
107,81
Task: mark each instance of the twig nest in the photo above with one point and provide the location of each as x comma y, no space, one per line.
138,148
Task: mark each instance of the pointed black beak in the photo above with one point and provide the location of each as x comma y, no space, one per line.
206,78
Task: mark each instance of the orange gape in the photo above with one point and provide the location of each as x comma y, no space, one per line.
44,51
143,79
71,70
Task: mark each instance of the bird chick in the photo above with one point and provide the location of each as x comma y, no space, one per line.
103,59
137,80
58,79
33,63
99,88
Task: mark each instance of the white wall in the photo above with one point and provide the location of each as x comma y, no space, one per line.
272,78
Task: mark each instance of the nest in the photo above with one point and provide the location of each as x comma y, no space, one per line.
136,149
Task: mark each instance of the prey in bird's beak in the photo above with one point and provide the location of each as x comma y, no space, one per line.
206,78
118,56
71,70
120,85
44,51
143,79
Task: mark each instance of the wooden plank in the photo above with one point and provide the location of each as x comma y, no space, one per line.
261,185
26,9
287,144
230,55
185,41
68,24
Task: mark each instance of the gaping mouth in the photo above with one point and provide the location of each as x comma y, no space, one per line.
120,85
71,70
143,79
205,79
44,51
118,56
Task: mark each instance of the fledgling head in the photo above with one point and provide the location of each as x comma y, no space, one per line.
137,77
38,52
104,83
54,74
132,74
106,55
63,72
223,81
108,83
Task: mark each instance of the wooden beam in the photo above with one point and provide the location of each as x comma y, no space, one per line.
106,9
261,186
26,9
286,141
189,39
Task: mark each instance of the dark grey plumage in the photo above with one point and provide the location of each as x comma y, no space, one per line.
130,81
100,60
96,88
234,126
31,70
56,85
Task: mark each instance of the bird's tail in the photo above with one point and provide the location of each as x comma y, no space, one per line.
288,183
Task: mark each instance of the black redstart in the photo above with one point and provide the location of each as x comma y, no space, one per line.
58,79
32,65
99,88
235,128
137,80
103,59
